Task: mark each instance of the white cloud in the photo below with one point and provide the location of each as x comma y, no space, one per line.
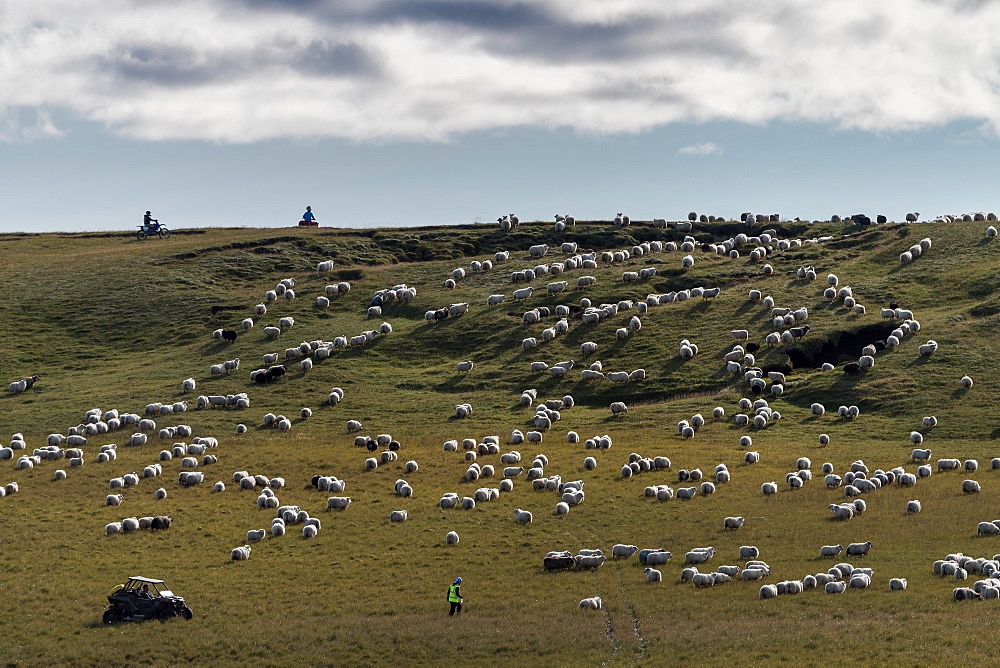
703,148
249,70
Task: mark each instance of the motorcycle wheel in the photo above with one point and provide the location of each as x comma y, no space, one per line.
186,612
112,616
164,233
141,235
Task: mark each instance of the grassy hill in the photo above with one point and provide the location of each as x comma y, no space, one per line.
109,322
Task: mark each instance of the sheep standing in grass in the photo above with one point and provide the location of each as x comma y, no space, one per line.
859,549
240,553
970,487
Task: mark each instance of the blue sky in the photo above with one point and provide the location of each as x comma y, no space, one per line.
241,112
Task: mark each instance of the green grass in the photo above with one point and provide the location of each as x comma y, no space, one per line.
113,323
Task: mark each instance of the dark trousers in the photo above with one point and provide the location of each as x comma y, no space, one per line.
455,607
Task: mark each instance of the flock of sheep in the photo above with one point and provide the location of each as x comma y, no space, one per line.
789,326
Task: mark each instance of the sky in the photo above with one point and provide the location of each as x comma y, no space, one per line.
423,112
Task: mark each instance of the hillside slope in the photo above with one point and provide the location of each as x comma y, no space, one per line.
108,322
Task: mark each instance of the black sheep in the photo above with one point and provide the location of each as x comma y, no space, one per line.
229,335
558,563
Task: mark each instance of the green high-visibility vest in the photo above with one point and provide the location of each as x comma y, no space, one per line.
453,596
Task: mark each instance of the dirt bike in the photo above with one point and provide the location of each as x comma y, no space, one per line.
153,228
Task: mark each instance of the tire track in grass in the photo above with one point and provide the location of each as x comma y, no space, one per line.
640,649
610,633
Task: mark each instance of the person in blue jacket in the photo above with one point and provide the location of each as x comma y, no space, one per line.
308,216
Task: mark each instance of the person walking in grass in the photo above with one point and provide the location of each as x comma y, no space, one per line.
455,597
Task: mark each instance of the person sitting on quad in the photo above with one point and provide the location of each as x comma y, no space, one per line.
145,592
308,218
148,219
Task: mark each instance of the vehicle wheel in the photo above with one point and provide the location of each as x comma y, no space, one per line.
164,233
141,235
186,612
112,616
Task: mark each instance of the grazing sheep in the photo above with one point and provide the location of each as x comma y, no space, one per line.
768,591
859,549
964,594
987,529
913,507
970,487
842,511
733,523
621,550
696,556
594,603
658,558
966,382
398,516
522,516
240,553
338,502
948,464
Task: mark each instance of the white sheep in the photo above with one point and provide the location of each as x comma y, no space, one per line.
240,553
971,487
831,550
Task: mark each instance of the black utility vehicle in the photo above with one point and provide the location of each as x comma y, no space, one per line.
130,603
